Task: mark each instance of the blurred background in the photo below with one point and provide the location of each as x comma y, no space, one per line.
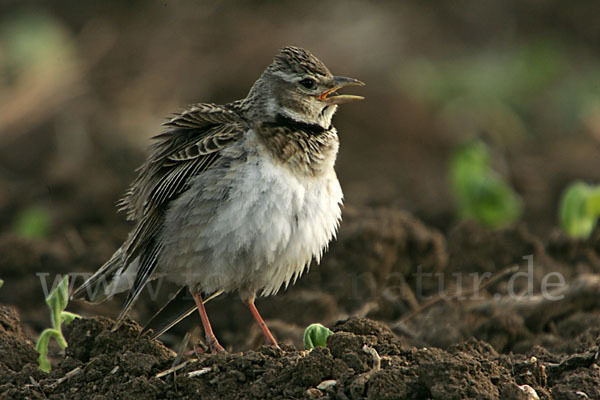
84,85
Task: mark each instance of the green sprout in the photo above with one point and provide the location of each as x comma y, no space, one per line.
481,194
316,335
580,209
33,222
57,301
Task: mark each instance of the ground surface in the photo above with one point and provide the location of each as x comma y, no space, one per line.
425,348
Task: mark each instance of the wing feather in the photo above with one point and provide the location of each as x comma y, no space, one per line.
191,144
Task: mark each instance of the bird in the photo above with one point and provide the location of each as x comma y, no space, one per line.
239,197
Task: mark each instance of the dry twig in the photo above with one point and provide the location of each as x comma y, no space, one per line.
446,297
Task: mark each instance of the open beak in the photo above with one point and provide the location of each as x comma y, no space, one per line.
329,96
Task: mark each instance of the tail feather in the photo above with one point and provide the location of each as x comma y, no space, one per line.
121,274
97,287
147,264
181,305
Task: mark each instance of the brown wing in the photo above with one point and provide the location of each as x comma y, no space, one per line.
190,145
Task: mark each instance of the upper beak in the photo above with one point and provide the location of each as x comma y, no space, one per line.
340,82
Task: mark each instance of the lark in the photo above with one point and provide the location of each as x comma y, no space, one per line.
236,197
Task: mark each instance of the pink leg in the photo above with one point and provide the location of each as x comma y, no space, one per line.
211,339
269,339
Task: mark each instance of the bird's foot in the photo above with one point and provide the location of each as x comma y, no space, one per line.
272,342
214,346
269,338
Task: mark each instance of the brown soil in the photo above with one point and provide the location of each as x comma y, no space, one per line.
449,349
101,364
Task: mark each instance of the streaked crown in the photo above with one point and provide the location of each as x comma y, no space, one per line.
299,61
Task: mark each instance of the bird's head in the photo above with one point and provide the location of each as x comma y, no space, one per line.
299,86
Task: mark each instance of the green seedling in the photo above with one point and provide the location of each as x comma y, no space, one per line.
481,194
580,209
316,335
33,222
57,301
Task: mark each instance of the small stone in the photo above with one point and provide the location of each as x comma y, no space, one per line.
326,384
530,392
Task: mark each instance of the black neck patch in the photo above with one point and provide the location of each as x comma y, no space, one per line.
288,122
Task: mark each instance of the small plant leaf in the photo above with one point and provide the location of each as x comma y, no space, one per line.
42,347
33,222
61,293
480,193
1,283
579,209
68,317
57,301
316,335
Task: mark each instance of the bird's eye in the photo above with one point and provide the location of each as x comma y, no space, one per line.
308,83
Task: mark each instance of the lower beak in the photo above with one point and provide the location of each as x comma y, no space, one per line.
340,82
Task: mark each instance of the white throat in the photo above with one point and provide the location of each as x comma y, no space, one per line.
323,120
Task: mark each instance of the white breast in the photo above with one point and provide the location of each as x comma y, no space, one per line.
262,236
